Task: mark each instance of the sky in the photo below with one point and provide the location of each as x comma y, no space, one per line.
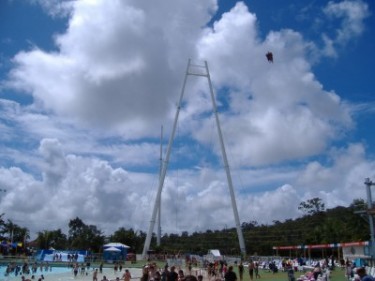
89,92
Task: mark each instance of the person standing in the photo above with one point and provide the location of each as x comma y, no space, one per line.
165,274
251,270
95,275
224,270
173,276
83,268
363,275
348,269
127,276
332,262
230,275
240,270
256,270
144,273
157,276
181,275
75,269
317,271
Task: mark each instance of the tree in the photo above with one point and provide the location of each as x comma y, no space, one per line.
76,228
2,225
60,240
82,236
15,232
358,204
312,206
44,239
249,225
128,237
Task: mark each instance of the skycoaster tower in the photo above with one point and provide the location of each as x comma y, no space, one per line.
194,70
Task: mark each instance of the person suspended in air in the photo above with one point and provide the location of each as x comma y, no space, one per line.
269,56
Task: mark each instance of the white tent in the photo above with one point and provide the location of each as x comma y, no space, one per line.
112,249
215,253
115,251
116,245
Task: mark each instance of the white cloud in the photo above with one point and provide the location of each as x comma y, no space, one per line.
56,169
282,111
55,8
95,191
116,64
352,15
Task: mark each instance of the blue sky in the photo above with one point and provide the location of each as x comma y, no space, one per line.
85,87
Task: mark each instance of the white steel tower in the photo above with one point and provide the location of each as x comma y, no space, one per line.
195,70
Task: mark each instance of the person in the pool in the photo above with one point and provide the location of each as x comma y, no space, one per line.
24,279
95,275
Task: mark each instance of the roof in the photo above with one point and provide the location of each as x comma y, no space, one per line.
116,245
215,253
112,249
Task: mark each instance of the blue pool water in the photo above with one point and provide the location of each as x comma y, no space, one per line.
37,274
66,274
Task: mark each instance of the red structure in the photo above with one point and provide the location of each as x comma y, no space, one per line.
308,248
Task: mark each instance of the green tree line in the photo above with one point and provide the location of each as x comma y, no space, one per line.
316,226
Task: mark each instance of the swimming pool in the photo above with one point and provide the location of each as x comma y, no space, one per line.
50,271
66,274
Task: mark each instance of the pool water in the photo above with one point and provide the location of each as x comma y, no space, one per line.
37,274
66,274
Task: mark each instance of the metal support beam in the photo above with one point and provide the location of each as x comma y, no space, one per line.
226,166
146,246
368,184
158,238
196,70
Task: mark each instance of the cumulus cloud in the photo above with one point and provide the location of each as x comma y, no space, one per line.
116,64
270,97
95,191
52,153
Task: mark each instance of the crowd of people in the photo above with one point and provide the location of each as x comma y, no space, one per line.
211,271
354,272
214,271
73,257
26,268
151,272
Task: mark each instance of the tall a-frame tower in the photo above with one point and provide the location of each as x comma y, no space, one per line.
195,70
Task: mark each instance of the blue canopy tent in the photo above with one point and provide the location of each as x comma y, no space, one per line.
115,251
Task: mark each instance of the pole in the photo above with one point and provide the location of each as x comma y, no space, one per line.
164,170
368,184
226,166
158,240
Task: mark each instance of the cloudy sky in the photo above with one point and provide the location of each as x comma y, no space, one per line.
85,87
